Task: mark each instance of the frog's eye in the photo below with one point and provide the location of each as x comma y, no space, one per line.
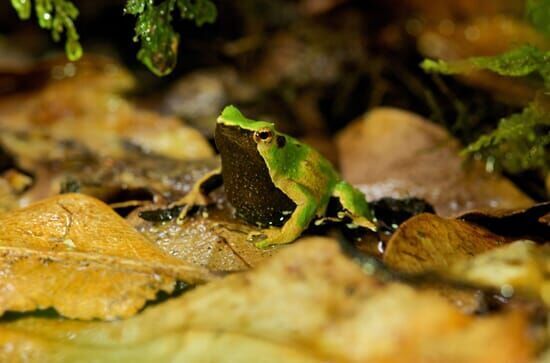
263,135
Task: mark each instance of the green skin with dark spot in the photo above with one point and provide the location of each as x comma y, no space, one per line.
279,180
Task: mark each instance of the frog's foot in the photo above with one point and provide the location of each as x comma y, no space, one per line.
193,199
198,195
355,206
364,222
324,220
268,237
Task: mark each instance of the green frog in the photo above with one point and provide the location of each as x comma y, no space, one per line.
275,181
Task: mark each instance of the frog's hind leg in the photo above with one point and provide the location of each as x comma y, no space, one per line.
306,208
198,195
354,204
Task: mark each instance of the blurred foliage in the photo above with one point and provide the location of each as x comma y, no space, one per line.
518,62
538,14
521,141
58,16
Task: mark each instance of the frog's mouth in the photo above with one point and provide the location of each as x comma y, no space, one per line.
239,138
246,178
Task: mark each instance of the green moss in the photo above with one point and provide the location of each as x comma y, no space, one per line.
520,142
442,67
159,41
538,13
523,61
58,16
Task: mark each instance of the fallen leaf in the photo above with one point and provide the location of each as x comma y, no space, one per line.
315,7
178,346
200,96
527,223
8,197
425,165
521,267
452,10
426,242
211,239
80,102
73,253
291,54
156,178
262,312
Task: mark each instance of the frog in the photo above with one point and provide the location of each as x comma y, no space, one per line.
275,182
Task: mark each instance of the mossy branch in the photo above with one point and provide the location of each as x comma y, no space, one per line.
159,41
58,16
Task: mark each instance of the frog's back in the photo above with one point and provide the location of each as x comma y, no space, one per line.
304,165
319,174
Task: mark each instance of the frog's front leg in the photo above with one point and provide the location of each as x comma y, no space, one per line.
354,204
306,207
198,195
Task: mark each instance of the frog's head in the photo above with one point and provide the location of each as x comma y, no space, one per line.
251,134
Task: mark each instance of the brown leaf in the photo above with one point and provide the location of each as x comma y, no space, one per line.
308,303
527,223
81,103
212,239
427,242
315,7
521,267
138,175
460,9
390,152
73,253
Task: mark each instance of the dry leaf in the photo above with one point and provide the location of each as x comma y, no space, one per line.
73,253
74,122
80,103
460,9
8,197
178,346
316,7
308,303
528,223
138,176
395,153
521,266
211,239
426,242
200,96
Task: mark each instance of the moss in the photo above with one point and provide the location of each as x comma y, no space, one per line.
521,141
159,41
58,16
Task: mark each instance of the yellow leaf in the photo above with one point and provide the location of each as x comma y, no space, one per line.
73,253
308,303
427,241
